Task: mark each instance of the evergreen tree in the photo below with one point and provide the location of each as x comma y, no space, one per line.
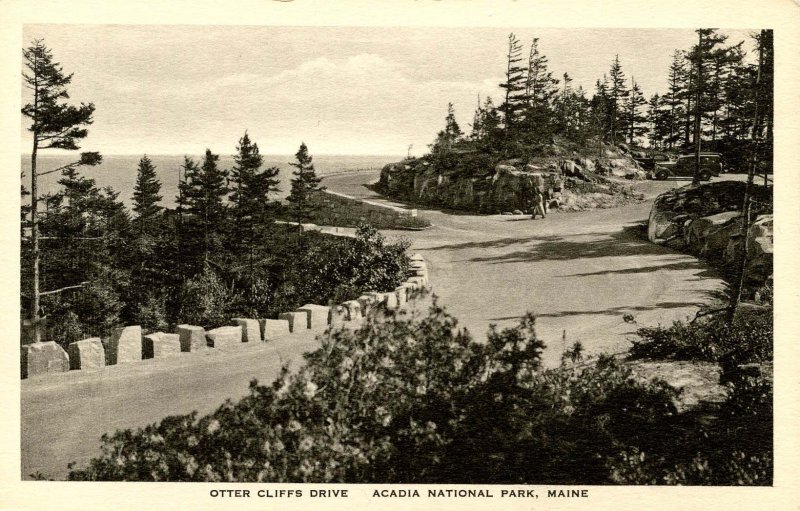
446,138
658,116
146,192
203,192
252,188
617,94
477,124
514,86
452,129
540,92
540,86
54,124
304,184
632,119
675,91
702,55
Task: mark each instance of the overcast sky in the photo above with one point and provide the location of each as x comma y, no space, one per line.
180,89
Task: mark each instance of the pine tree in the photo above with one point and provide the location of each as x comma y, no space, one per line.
631,119
565,105
540,92
146,192
658,117
452,129
514,86
304,184
203,191
54,124
675,91
702,56
252,188
617,94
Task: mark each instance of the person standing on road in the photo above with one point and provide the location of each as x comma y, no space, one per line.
538,203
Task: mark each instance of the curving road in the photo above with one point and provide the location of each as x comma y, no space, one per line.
578,272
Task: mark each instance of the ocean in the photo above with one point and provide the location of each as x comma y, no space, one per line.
119,171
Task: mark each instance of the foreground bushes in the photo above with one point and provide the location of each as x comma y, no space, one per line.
417,400
712,339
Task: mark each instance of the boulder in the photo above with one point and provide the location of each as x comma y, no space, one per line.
251,330
419,272
87,354
319,316
401,293
422,282
161,345
390,301
709,236
339,316
224,337
759,247
193,338
587,164
368,302
274,328
42,358
354,312
124,346
298,321
761,227
499,168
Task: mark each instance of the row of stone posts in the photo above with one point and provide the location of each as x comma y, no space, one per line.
127,344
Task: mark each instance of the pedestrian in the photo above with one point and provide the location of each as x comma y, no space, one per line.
538,203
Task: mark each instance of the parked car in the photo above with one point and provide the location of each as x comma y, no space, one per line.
710,165
649,162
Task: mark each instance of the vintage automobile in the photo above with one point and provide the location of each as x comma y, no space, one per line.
650,161
710,165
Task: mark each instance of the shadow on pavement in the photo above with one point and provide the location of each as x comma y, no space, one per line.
626,242
706,273
614,311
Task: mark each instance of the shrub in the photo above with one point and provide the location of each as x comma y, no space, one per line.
409,400
205,299
748,339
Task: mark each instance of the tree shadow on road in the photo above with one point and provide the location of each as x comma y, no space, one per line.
691,264
613,311
495,243
625,242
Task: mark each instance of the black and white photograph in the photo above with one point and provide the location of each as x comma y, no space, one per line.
512,263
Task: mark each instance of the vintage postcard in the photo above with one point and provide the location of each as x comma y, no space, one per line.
428,255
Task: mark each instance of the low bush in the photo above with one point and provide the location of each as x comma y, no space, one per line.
408,399
748,339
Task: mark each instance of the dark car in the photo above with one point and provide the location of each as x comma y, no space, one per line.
649,162
684,166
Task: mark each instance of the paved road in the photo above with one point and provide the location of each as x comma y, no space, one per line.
579,272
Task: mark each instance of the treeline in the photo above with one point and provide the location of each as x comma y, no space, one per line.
712,92
89,265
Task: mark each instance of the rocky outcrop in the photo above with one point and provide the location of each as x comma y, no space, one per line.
475,182
674,211
705,220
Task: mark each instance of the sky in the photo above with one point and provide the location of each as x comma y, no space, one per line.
161,89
